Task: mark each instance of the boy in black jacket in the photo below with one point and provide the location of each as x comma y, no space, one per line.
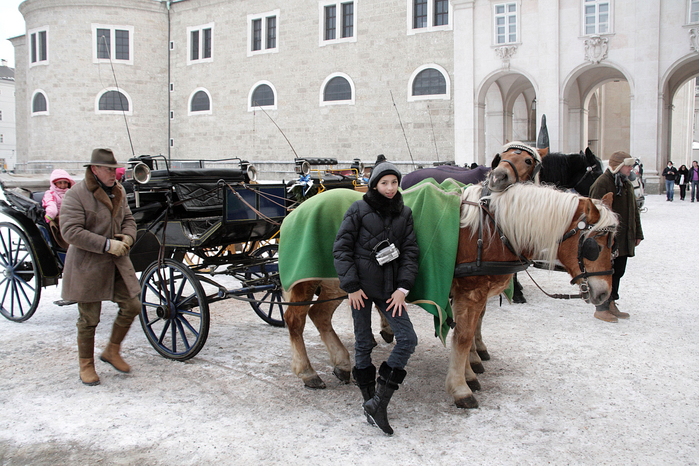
376,258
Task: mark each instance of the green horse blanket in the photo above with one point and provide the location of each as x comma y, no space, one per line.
308,233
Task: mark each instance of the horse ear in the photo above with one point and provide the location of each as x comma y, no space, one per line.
543,152
496,161
607,200
591,212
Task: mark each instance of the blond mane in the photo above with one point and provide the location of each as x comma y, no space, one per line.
533,218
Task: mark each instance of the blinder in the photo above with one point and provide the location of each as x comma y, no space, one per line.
590,249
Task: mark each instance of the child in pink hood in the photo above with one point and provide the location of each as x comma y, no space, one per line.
61,182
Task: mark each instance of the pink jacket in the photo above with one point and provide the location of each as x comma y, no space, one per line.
54,196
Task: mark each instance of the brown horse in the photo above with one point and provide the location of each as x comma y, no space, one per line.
576,232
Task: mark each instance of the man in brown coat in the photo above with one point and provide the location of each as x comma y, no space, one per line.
97,223
617,179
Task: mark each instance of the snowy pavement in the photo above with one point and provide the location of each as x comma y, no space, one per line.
561,388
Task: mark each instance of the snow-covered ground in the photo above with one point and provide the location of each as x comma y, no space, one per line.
561,387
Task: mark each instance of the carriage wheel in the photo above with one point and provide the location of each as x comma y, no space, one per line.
270,310
20,282
174,310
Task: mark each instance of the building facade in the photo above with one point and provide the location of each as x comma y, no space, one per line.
416,80
8,141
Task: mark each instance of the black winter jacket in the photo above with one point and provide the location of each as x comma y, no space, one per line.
367,223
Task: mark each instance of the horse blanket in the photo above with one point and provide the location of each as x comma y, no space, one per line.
442,172
308,233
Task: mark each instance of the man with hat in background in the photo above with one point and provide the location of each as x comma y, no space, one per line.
617,179
98,225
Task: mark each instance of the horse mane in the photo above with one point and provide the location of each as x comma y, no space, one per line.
556,164
533,218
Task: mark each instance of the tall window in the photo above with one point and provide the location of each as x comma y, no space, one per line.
262,36
200,45
263,94
337,22
428,15
40,103
337,89
38,46
694,11
200,102
596,15
506,23
112,43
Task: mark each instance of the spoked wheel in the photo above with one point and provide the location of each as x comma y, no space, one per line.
20,282
268,308
174,310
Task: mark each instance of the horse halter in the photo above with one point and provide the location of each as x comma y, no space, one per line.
588,172
518,149
587,249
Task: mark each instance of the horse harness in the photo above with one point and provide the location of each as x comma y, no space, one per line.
518,149
587,249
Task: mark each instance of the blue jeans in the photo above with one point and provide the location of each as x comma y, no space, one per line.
670,188
694,195
406,339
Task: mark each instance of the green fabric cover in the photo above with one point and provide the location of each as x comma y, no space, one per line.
308,233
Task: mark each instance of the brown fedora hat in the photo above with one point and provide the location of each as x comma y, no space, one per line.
103,158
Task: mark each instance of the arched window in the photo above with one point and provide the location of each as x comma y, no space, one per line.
429,82
338,88
262,94
200,102
39,103
115,101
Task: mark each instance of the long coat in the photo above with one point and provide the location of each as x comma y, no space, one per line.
88,218
624,205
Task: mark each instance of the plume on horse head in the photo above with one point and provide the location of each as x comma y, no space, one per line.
533,218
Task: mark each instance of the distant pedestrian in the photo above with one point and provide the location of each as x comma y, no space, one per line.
682,180
694,181
670,173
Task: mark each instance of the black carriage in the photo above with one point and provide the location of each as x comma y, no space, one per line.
206,232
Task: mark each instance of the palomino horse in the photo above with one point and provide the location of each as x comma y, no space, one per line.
576,231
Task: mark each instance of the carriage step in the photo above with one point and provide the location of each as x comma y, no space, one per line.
62,302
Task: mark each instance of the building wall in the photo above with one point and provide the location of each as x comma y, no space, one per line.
379,63
8,144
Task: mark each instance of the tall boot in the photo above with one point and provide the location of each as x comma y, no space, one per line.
616,312
111,352
375,409
366,381
602,312
86,358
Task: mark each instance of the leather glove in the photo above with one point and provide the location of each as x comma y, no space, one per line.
125,238
118,248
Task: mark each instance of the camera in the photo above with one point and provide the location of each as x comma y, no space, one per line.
387,254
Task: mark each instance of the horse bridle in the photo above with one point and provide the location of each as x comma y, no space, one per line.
588,172
518,150
588,249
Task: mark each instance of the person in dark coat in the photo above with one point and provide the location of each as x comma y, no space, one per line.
617,179
98,225
376,259
694,181
682,179
670,173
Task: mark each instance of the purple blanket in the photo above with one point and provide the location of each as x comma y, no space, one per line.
442,172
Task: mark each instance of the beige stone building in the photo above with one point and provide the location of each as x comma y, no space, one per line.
416,80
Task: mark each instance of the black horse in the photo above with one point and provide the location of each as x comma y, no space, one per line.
571,171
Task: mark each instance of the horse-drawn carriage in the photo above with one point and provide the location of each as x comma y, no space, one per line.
202,227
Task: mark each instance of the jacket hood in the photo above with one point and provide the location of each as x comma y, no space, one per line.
59,174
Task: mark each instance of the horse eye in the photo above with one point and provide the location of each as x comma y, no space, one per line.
528,161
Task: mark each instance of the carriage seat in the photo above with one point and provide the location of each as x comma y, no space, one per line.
194,184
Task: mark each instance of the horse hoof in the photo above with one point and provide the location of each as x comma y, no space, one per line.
387,337
469,402
484,355
474,385
477,367
314,383
341,374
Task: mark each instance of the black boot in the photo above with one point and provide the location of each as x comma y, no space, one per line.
517,295
375,408
366,381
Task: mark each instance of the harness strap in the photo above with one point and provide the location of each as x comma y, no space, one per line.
469,269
